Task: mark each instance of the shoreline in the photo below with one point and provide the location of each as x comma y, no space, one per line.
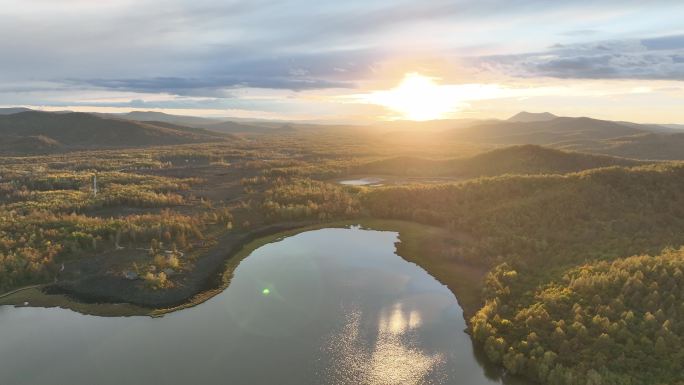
419,244
15,291
119,297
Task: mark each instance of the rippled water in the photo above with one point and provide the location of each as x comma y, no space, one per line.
331,306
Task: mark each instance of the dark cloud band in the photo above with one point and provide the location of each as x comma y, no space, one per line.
653,58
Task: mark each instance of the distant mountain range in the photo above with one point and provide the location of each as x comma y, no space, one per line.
216,125
23,130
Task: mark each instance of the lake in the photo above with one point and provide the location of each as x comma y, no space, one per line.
329,306
363,182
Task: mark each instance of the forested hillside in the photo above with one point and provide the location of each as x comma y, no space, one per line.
603,213
622,139
643,146
561,305
525,159
36,132
543,131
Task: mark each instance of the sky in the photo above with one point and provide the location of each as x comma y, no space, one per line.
346,61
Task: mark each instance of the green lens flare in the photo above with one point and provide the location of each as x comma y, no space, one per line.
266,291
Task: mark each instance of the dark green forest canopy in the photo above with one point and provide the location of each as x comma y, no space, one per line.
619,322
551,219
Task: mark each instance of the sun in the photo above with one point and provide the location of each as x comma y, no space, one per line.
417,97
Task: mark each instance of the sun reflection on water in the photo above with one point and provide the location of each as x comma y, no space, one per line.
393,358
398,321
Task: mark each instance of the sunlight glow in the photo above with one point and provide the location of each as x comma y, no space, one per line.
417,97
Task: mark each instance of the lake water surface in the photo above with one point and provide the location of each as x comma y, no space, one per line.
330,306
362,182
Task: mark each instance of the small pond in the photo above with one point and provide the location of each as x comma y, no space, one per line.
362,182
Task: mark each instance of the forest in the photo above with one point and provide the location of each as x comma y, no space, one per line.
617,322
550,219
584,287
52,214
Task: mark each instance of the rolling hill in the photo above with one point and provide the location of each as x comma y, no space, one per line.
44,131
153,116
231,127
640,146
214,125
525,159
13,110
624,139
28,145
543,132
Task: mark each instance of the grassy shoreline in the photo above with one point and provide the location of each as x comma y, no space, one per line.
34,297
419,244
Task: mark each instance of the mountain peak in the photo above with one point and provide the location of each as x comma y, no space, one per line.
525,116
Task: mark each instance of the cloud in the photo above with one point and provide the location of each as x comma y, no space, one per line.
212,48
224,69
210,86
664,43
653,58
580,32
